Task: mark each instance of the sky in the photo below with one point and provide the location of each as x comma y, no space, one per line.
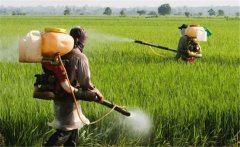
119,3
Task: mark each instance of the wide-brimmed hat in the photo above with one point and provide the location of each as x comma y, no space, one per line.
183,26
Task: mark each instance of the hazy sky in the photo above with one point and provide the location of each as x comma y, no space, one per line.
119,3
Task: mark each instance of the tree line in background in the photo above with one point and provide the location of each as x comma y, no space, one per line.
162,10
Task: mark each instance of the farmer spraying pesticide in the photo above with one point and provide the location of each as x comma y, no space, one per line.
67,122
188,47
66,79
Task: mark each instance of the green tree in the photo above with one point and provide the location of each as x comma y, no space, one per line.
237,14
67,11
164,9
14,13
200,13
220,13
18,12
187,14
141,12
107,11
152,13
122,12
211,12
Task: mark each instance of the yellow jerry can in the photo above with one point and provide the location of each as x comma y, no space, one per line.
55,40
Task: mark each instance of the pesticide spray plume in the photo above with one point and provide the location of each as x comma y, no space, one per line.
154,45
9,49
137,124
106,37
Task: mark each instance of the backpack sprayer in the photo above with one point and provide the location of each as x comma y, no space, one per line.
53,43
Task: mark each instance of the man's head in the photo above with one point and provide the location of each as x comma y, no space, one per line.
79,36
182,28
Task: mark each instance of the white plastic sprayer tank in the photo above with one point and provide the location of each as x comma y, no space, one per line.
30,47
35,45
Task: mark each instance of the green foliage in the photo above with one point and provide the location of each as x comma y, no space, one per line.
164,9
237,14
152,13
187,14
190,104
211,12
220,13
18,13
200,13
67,11
107,11
141,12
122,12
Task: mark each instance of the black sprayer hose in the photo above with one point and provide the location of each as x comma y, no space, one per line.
154,45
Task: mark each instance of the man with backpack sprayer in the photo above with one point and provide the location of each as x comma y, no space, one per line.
68,115
66,79
77,74
188,47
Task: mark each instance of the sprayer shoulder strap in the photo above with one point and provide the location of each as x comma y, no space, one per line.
69,64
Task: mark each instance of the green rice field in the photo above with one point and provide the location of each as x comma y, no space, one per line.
187,104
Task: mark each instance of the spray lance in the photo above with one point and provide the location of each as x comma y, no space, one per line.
154,45
117,108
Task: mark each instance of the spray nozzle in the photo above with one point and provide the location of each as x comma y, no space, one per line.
138,41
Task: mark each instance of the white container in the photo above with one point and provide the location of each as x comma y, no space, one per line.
201,34
30,47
